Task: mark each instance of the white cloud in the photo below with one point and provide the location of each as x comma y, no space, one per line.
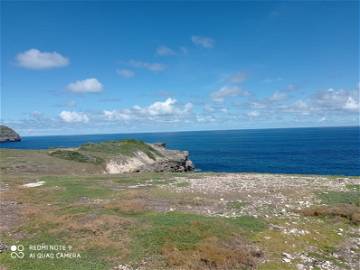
237,77
35,59
90,85
277,96
253,114
155,67
126,73
165,51
209,108
205,42
165,107
118,115
299,107
322,119
74,117
328,102
332,99
227,91
205,118
351,104
168,110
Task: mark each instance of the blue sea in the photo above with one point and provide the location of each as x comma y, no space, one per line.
323,151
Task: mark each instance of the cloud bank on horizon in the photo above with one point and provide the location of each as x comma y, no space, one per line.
205,77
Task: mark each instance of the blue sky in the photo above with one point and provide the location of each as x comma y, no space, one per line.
104,67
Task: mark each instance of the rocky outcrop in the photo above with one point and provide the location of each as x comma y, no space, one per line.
127,156
164,160
8,135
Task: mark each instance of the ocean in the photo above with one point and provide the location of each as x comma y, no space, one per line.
322,151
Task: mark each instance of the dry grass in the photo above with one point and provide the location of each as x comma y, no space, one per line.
133,206
212,253
102,232
348,211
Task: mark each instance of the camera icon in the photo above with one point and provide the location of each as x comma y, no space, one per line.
17,252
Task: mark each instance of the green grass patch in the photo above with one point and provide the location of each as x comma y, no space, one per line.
184,231
74,188
125,147
235,205
76,156
182,184
338,197
353,187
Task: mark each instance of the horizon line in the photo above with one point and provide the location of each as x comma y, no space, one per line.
183,131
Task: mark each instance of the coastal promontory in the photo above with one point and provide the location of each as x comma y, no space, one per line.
8,135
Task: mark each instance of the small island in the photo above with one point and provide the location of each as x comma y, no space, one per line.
8,135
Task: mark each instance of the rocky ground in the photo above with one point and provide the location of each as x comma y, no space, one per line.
277,197
273,230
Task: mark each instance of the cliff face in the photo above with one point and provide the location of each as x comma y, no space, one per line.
163,160
8,135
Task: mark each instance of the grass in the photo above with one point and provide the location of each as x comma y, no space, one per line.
101,234
344,204
348,211
182,184
353,187
322,236
76,156
109,225
235,205
189,240
340,197
125,147
74,188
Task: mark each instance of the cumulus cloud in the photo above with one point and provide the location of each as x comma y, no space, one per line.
35,59
332,99
168,110
126,73
205,42
227,91
165,51
74,117
90,85
124,115
155,67
329,102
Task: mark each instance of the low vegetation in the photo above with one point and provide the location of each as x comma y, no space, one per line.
125,147
348,211
177,221
344,204
76,156
345,197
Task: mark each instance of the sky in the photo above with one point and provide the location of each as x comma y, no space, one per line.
119,67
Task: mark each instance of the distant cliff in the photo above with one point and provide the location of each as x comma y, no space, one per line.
8,135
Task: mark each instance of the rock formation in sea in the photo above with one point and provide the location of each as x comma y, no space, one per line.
8,135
